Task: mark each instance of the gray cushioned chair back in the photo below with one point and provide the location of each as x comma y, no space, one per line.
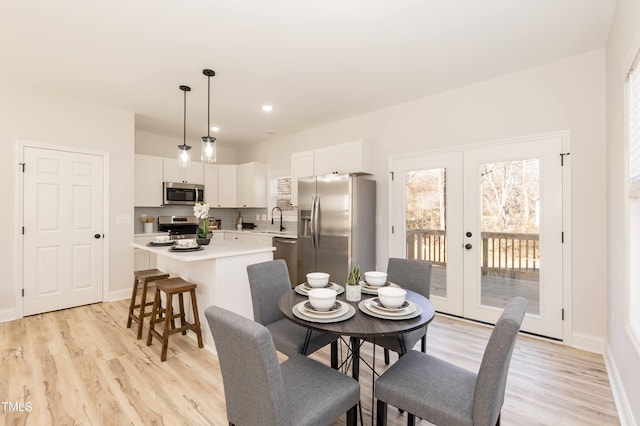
492,375
410,274
253,385
268,281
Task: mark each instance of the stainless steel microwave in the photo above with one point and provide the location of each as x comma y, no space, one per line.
182,193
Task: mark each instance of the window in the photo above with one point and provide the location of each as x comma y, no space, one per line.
633,213
280,195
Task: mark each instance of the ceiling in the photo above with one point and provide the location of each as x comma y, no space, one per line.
316,61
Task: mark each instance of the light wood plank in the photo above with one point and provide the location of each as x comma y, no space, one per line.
83,366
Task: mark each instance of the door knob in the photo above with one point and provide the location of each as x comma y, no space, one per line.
468,246
96,236
468,234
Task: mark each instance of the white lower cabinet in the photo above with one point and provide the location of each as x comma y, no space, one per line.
142,259
245,237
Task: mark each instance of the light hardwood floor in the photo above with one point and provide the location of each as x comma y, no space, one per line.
83,366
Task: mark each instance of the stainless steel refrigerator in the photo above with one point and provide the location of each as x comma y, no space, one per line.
336,225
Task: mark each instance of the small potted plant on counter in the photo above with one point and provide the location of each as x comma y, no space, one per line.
201,211
354,289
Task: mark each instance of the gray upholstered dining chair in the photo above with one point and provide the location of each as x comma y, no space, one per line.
445,394
260,391
414,275
268,282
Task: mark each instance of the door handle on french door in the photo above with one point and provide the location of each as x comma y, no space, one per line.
468,234
96,236
468,246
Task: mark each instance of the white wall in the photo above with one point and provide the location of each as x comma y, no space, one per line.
37,118
623,358
166,146
564,95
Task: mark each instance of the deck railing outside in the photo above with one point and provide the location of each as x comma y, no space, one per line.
502,252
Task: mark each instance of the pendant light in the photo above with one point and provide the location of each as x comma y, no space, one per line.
208,153
184,155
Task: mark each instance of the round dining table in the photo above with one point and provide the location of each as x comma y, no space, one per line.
361,325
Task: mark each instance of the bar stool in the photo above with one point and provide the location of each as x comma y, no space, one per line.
171,287
141,280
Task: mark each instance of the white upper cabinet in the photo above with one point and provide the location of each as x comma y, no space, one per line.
147,181
301,166
227,194
211,184
348,157
174,173
252,185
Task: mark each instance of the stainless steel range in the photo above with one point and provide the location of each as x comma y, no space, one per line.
178,227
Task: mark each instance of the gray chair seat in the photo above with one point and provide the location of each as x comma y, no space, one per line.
414,275
260,391
268,281
289,337
445,394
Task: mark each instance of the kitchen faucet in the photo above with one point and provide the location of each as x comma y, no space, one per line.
276,207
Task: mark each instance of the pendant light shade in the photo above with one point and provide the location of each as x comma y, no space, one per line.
184,150
208,153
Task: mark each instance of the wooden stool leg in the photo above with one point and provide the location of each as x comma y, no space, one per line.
142,310
196,316
182,315
154,313
132,304
168,322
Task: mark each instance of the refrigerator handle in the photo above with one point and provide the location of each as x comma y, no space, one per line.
316,224
312,227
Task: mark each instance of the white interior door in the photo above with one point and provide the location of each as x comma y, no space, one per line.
63,226
490,221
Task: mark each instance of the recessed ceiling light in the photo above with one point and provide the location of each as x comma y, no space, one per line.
215,128
267,108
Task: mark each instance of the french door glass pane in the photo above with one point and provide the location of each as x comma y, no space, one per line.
510,264
426,199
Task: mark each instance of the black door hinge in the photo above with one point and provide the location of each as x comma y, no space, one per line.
23,292
22,164
562,157
562,314
23,230
392,175
562,237
393,229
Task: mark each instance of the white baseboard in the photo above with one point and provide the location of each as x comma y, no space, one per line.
119,295
588,343
7,315
619,396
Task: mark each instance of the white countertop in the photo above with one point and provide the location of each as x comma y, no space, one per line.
215,250
284,234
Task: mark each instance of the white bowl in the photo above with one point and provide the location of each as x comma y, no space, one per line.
317,279
186,243
375,278
392,297
322,299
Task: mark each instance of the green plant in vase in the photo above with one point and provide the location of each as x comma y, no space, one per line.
201,211
353,285
354,276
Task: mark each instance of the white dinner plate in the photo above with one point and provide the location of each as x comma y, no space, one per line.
306,307
347,312
376,307
370,289
376,303
364,307
302,289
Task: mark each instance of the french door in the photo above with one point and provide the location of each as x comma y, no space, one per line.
489,220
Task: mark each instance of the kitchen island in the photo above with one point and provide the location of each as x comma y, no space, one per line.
220,271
